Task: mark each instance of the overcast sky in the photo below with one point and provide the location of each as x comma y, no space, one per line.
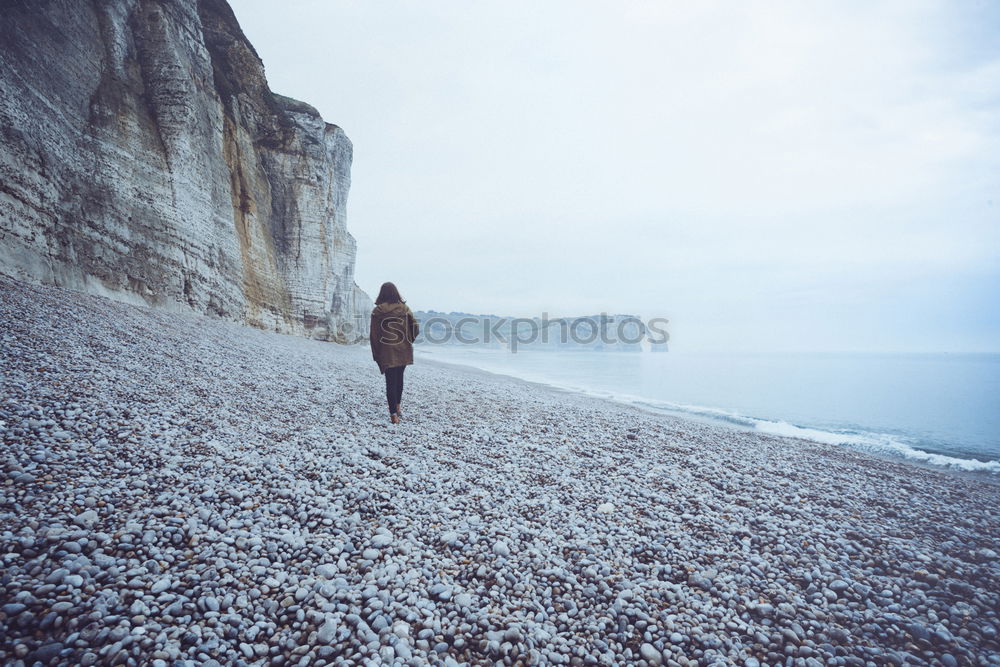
772,175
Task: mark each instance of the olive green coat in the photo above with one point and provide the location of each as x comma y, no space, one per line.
393,331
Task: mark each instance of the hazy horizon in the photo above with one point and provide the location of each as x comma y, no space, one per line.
768,176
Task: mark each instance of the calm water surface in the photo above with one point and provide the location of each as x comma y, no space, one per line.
942,409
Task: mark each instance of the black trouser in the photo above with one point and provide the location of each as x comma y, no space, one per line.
394,386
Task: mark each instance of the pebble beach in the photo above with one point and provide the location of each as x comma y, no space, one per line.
179,490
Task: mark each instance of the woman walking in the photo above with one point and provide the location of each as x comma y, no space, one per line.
393,331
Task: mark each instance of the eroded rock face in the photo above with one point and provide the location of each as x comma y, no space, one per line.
143,156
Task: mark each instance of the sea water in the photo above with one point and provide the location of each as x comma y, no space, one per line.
941,409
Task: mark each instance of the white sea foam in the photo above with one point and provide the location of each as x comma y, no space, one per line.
878,443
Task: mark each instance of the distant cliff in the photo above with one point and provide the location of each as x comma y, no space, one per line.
602,332
143,156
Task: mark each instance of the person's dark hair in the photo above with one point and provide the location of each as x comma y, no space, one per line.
388,294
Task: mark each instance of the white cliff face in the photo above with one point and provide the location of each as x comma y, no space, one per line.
143,156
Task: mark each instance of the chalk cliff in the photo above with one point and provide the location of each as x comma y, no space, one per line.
143,156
